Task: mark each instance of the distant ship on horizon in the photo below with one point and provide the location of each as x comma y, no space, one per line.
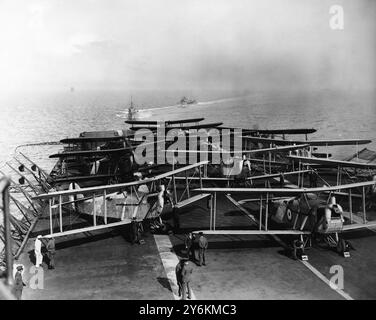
185,101
132,112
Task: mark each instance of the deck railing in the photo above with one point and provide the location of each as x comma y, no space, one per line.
4,205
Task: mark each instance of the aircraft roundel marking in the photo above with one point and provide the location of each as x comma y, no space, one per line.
289,215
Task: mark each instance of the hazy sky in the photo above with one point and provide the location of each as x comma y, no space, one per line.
190,44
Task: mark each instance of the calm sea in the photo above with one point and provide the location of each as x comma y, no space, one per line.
39,118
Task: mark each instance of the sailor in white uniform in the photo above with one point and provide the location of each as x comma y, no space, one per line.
38,251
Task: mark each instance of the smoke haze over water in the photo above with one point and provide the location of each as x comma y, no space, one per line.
190,45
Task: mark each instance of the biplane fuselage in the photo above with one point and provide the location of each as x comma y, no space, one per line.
94,158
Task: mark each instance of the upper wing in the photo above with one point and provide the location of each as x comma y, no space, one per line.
316,143
358,226
332,162
286,191
89,153
146,122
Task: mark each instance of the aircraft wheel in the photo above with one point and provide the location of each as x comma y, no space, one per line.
349,245
341,246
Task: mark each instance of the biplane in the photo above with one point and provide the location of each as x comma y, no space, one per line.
300,211
252,141
238,166
351,169
316,143
106,157
115,205
97,158
93,157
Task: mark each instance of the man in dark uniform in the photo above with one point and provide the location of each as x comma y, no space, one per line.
298,250
18,283
134,231
189,246
202,246
51,253
178,273
186,279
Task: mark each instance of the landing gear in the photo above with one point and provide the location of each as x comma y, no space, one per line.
341,245
343,248
158,226
299,246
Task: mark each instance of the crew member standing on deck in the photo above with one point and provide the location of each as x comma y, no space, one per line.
38,251
136,229
18,283
298,250
51,253
202,246
156,220
63,167
160,204
178,273
189,246
134,233
186,280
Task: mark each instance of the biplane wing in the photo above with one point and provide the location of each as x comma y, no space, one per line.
252,232
89,153
241,152
270,140
169,122
286,191
333,163
269,162
277,175
341,142
84,178
104,152
196,126
315,143
358,226
286,131
141,122
121,185
91,139
275,131
276,149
